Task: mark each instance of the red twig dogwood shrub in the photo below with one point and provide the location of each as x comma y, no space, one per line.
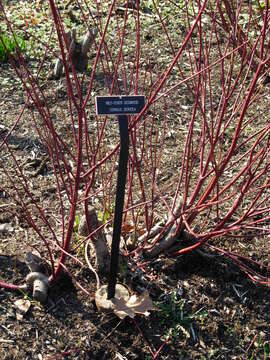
198,169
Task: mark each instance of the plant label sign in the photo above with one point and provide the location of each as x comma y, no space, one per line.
119,105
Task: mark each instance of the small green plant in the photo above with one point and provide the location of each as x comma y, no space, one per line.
105,215
10,45
260,5
76,224
261,345
172,316
266,350
229,330
78,244
265,346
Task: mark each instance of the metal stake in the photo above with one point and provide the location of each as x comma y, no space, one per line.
119,203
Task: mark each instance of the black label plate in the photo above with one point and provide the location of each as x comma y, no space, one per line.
119,105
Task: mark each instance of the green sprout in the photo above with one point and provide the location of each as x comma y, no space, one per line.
105,215
77,239
11,45
173,317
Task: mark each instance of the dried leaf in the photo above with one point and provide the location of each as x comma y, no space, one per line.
19,316
35,21
22,306
120,357
6,228
135,305
121,309
127,228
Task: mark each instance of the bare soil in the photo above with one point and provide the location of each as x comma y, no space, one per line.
208,307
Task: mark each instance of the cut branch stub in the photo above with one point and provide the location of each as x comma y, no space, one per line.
34,262
169,237
58,69
78,51
40,285
36,279
98,240
87,40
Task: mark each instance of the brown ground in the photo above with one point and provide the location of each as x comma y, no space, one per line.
208,307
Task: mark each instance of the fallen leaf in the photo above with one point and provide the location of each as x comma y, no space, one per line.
121,309
35,21
22,306
127,228
119,357
135,305
6,228
19,316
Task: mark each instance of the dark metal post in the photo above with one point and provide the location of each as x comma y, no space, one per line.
119,203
